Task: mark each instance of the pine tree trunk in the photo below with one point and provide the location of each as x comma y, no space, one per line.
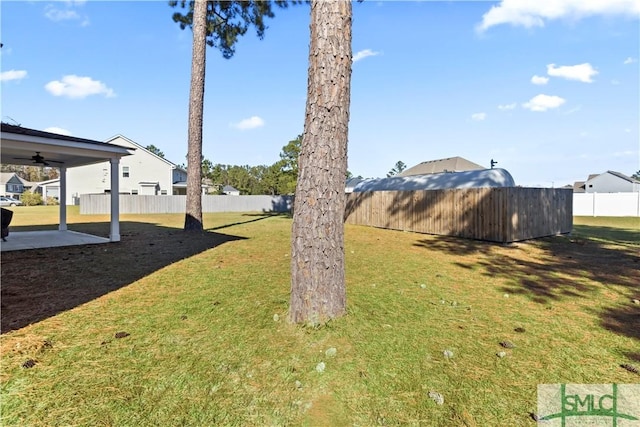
193,216
318,291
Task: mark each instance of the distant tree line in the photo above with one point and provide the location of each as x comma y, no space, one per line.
32,173
278,178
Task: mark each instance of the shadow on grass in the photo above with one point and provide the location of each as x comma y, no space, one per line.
610,234
566,270
260,216
40,283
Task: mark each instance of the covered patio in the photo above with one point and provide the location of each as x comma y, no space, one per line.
22,240
24,146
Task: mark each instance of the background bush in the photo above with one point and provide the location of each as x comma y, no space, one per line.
31,199
52,201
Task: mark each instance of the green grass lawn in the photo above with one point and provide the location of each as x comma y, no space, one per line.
209,343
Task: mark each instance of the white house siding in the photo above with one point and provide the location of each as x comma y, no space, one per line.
608,183
52,191
144,168
90,179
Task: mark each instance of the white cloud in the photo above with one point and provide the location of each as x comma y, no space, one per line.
507,107
363,54
67,13
539,80
59,131
73,86
250,123
580,72
629,60
543,102
54,14
6,76
534,13
478,117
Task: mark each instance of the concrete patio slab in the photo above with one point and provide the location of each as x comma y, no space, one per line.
21,240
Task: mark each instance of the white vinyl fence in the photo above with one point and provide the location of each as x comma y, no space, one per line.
141,204
606,204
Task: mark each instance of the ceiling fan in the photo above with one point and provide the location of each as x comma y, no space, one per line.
38,159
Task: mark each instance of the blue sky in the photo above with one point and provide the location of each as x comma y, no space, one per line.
549,89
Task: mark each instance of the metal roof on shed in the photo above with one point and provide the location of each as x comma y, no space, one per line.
439,181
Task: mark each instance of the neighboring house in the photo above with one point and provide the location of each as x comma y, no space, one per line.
230,191
50,188
578,187
611,182
12,185
143,173
209,186
450,164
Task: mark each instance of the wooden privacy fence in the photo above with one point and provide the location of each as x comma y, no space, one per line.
506,214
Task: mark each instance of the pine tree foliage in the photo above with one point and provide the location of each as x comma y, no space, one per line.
229,20
397,169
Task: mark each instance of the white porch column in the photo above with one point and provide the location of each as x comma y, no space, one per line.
62,198
114,235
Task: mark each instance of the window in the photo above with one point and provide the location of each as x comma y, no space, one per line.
125,171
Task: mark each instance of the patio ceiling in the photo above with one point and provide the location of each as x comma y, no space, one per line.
19,145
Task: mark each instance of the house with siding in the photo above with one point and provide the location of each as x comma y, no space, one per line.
49,188
142,173
230,191
611,182
12,185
